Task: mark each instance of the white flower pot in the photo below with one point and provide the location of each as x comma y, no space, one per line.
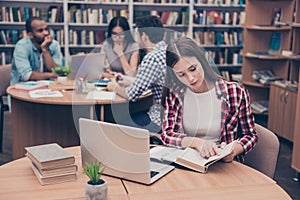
96,192
61,79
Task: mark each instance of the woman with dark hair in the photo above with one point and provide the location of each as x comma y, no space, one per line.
202,110
122,52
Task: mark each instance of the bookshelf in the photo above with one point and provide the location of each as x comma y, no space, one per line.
88,21
218,27
12,22
82,24
295,75
257,38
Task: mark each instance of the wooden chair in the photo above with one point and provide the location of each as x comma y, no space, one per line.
265,154
4,83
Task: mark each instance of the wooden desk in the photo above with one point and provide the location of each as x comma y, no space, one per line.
46,120
19,182
223,181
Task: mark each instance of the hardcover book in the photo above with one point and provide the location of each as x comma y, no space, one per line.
189,157
71,168
49,155
53,179
275,43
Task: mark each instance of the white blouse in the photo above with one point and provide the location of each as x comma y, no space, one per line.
202,115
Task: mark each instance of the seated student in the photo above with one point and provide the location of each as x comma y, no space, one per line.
122,52
150,74
36,54
201,109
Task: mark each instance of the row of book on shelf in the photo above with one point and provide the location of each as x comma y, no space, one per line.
52,14
52,164
76,14
218,37
169,17
94,15
13,36
210,2
221,2
228,76
225,56
211,17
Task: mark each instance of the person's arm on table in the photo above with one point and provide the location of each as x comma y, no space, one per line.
112,86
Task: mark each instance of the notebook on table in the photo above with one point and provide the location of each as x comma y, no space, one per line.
124,151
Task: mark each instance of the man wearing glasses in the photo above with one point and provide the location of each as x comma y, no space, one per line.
36,54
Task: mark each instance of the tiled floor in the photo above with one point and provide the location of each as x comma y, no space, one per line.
284,173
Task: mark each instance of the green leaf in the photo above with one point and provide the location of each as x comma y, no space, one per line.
93,171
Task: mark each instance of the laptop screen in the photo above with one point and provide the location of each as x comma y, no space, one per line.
123,150
88,66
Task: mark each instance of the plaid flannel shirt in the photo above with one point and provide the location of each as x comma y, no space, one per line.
236,118
151,75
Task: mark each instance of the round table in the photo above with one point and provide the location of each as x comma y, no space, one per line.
55,119
232,181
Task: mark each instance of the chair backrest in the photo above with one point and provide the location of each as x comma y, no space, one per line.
4,78
264,155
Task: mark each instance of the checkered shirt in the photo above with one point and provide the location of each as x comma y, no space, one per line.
151,75
237,120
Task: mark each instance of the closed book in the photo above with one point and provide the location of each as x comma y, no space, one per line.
49,155
53,179
30,85
63,169
189,157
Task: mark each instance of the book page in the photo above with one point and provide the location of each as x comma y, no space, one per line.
44,93
193,156
162,153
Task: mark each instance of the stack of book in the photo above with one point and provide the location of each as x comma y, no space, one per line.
264,77
260,107
51,163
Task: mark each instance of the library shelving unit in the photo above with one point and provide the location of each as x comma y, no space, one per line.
88,21
218,28
257,37
295,65
82,24
12,22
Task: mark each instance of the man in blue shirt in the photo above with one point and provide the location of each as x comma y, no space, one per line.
150,74
35,55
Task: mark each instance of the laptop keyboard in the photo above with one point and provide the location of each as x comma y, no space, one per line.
153,173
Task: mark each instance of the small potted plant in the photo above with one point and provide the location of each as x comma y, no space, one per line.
96,188
62,72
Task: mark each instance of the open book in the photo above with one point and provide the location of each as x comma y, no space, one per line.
189,157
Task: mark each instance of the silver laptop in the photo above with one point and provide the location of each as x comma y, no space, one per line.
90,66
124,151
